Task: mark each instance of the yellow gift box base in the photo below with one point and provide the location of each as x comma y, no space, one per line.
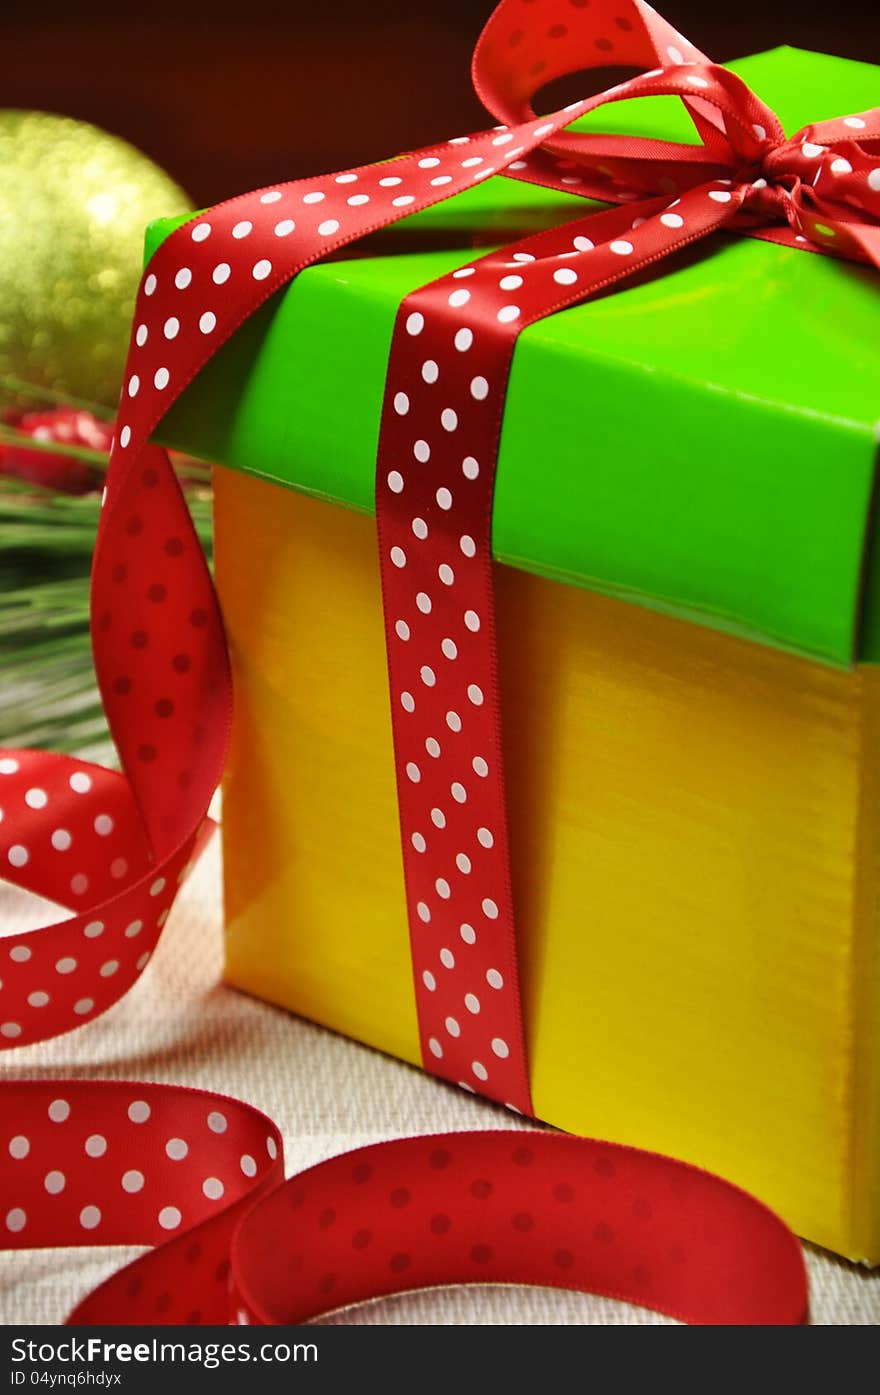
695,835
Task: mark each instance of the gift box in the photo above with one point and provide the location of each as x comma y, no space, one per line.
689,630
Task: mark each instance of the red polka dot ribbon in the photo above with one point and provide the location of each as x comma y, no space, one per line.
112,848
200,1178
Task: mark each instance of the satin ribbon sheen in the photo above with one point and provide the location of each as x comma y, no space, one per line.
113,1162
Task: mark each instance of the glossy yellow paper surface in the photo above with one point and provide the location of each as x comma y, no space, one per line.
694,830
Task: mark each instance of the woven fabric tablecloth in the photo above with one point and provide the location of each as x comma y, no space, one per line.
181,1025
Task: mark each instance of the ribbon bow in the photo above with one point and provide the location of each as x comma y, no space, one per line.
112,848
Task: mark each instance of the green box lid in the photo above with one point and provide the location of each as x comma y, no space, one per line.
703,442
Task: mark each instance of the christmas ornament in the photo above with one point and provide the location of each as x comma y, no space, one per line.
73,205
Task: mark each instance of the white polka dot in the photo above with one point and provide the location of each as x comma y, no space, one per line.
432,746
161,378
463,862
217,1121
66,965
284,228
452,1027
200,232
470,467
103,825
480,766
494,978
448,419
672,220
565,276
453,721
108,969
19,1146
507,314
415,323
443,889
61,840
328,227
760,131
141,336
423,911
261,269
177,1149
500,1047
471,161
142,960
96,1145
271,1147
213,1188
10,1029
446,574
458,792
427,675
150,284
208,322
59,1110
16,1220
221,273
464,338
171,328
407,702
83,1006
80,782
467,545
420,528
54,1182
430,371
19,954
459,298
125,436
472,1003
479,1070
621,247
358,200
422,452
36,799
272,197
242,229
490,909
401,629
398,556
413,772
479,389
472,620
438,818
423,602
79,884
675,54
38,998
418,842
874,179
134,383
133,928
468,933
429,980
444,498
133,1180
475,694
435,1048
314,197
401,404
485,838
8,765
169,1218
449,649
697,81
390,181
139,1111
183,277
248,1166
158,887
812,150
841,166
720,195
395,482
90,1217
855,122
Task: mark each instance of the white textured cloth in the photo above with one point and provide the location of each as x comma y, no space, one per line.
181,1025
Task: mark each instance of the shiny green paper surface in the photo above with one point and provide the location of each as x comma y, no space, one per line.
703,442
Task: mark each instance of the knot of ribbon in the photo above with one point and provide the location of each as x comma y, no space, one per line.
112,847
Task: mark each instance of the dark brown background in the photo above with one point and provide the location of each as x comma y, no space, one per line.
229,96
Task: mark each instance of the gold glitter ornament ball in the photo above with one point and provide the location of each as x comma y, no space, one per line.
74,202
